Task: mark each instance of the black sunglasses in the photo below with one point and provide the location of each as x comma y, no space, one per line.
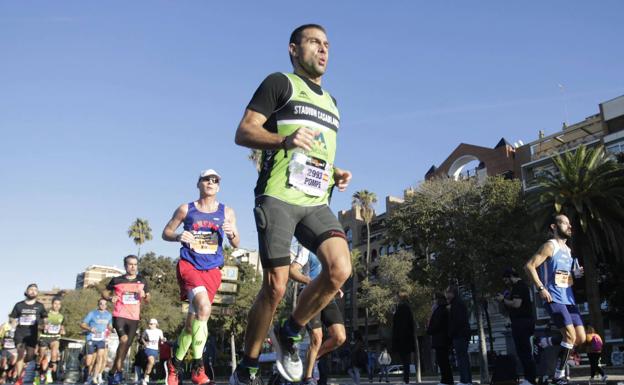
211,179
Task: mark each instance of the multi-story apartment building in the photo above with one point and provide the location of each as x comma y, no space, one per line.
604,128
355,229
251,257
518,160
95,273
46,296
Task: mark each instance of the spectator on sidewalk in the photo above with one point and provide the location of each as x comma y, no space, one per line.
358,357
384,361
594,351
403,334
517,303
438,328
459,331
372,363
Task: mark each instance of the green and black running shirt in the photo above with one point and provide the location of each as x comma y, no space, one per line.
53,325
289,102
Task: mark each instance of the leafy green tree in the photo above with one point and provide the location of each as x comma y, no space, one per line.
165,304
168,313
233,320
466,232
140,232
356,262
589,188
76,305
379,295
160,272
363,201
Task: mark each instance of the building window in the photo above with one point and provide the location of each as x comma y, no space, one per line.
615,148
533,174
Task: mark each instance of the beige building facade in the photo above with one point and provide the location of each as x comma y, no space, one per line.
95,273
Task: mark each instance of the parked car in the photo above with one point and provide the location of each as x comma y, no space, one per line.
397,370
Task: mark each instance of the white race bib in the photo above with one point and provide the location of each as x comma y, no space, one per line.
27,320
53,329
98,336
308,174
563,279
129,298
9,344
206,242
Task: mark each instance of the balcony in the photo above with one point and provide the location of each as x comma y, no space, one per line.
585,132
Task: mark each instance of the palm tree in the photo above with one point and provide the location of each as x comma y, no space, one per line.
363,201
140,231
589,188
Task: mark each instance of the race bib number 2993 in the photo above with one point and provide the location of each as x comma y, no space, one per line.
309,174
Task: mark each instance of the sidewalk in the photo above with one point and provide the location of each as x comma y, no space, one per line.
614,379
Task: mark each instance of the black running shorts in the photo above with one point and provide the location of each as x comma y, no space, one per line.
45,341
277,222
25,338
125,327
330,315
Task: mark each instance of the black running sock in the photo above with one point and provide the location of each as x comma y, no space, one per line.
562,359
249,362
246,367
291,327
556,340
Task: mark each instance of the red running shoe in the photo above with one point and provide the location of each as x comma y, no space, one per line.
198,374
174,371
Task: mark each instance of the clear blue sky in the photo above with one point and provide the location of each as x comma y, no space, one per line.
108,111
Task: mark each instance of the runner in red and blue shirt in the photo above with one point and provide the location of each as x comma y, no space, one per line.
206,223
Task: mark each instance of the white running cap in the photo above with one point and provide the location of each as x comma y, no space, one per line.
209,172
153,321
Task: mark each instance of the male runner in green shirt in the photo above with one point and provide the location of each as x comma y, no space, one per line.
295,122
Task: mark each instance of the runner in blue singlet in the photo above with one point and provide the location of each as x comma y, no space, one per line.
553,270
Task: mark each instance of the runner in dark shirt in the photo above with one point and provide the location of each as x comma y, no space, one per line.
27,316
